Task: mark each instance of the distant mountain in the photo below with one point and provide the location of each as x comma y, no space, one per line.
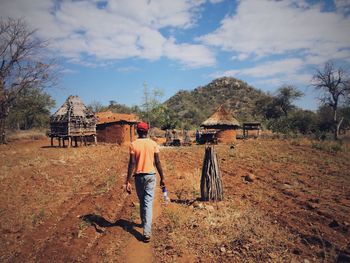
193,107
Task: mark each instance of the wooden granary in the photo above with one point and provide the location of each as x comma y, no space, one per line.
73,121
251,129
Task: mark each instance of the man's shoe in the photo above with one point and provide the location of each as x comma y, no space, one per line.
146,239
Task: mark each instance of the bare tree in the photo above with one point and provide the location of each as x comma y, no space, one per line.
96,106
335,86
22,65
150,102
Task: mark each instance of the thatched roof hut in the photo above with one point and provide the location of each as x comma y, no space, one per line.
72,119
222,118
224,124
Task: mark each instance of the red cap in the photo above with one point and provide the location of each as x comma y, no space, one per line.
142,126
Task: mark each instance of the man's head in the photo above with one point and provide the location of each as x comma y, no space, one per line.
142,128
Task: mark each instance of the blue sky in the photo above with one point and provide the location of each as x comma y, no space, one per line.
107,49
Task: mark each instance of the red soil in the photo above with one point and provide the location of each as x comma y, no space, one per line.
297,207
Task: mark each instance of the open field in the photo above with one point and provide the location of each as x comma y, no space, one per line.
295,210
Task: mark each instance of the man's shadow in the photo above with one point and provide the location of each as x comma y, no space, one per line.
98,221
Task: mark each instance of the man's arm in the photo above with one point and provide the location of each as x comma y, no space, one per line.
131,167
159,168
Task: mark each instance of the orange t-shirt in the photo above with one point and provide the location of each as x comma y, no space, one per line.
144,150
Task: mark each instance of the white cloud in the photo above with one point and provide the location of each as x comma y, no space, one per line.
215,1
127,69
270,69
67,71
261,28
188,54
241,56
293,79
119,29
273,68
156,14
342,6
274,73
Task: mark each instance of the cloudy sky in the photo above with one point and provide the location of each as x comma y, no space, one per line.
107,49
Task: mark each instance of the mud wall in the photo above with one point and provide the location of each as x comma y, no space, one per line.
115,133
226,136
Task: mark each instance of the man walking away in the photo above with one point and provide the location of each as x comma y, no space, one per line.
144,153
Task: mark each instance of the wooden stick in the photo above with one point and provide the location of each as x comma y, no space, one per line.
211,185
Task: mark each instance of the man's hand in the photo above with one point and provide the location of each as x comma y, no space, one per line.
162,183
128,187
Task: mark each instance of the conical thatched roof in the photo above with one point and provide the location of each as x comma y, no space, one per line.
73,109
221,118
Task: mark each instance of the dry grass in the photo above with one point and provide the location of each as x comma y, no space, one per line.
33,134
225,232
253,237
188,185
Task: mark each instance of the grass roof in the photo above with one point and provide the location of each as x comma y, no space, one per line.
221,117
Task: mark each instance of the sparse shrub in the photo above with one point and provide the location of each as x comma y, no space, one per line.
295,142
336,147
328,146
174,218
38,217
105,186
81,228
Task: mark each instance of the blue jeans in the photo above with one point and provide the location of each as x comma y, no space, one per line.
145,185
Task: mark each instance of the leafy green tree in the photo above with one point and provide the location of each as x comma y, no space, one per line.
32,110
117,108
297,122
345,113
267,108
325,119
303,121
285,97
162,117
281,125
274,107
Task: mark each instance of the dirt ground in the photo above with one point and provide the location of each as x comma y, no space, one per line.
285,201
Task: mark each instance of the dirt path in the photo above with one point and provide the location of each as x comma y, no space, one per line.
137,251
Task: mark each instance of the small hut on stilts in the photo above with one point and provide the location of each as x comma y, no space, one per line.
221,127
73,121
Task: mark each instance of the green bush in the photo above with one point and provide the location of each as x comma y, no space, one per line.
328,146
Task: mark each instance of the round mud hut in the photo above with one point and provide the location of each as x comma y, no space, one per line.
223,125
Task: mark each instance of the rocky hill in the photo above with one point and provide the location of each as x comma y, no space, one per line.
193,107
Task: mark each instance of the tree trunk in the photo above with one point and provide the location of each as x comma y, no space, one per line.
211,185
4,110
335,123
2,129
338,127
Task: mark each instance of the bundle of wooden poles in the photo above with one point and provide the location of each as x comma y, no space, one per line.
211,185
